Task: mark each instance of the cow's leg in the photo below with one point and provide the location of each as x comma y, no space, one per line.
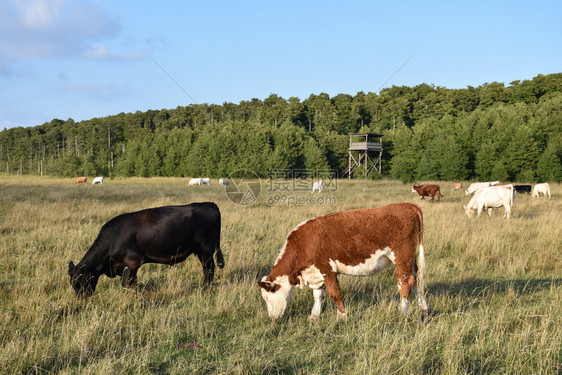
132,263
480,207
208,264
333,289
490,211
432,196
317,308
406,283
129,277
207,251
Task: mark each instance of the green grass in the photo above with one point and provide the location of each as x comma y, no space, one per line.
494,288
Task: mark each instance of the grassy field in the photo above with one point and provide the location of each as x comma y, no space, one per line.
494,288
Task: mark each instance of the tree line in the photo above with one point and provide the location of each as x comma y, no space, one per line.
490,132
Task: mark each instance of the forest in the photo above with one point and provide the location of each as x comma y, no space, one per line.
489,132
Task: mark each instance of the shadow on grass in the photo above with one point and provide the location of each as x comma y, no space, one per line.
478,287
382,291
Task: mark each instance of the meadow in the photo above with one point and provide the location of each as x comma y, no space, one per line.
494,288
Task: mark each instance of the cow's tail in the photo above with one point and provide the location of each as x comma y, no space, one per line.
218,252
421,260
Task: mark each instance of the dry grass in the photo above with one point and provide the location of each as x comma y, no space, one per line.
494,289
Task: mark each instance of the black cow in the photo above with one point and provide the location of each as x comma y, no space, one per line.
166,235
522,189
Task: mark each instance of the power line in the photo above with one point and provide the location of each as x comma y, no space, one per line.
397,70
172,78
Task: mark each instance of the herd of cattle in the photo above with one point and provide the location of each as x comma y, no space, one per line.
487,195
355,242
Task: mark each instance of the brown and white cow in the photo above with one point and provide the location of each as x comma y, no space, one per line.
427,190
457,186
81,180
357,242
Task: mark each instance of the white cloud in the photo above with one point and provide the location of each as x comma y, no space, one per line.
98,91
39,29
101,52
38,13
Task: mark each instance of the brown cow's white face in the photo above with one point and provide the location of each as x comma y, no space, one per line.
277,295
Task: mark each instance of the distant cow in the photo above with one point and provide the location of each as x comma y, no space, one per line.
491,197
318,186
81,180
223,181
428,191
194,181
358,242
205,181
457,186
522,189
97,180
165,235
478,185
543,189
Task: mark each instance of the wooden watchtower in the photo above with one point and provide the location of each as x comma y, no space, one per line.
366,151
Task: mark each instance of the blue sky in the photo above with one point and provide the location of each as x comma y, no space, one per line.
83,59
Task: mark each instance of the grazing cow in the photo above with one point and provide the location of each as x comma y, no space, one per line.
194,181
491,197
165,235
427,190
97,180
522,189
478,185
457,186
206,181
80,180
223,181
543,189
318,186
357,242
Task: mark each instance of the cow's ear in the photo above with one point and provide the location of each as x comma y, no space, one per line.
269,286
71,268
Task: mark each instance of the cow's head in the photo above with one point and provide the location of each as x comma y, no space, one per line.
468,211
82,280
277,295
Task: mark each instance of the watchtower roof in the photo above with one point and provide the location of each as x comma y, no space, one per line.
365,135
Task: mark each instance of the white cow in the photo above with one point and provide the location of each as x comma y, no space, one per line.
97,180
318,186
491,197
543,189
206,181
478,185
194,181
223,181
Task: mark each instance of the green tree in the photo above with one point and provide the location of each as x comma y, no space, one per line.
314,158
549,166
